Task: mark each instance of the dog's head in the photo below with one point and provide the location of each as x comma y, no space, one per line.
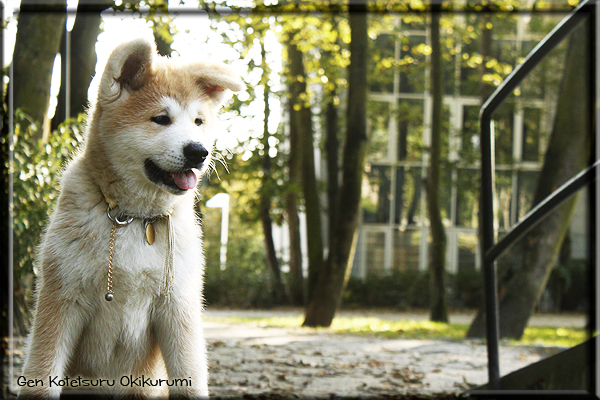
154,117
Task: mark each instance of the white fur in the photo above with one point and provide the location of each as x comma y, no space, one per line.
76,332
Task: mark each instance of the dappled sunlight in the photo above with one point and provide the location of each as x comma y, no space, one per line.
416,330
560,337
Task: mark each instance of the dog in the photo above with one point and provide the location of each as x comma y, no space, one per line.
119,293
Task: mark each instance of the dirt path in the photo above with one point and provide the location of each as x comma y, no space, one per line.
249,360
246,359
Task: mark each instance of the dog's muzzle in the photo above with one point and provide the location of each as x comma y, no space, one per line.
181,179
195,154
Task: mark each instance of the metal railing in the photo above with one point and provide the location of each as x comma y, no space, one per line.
490,250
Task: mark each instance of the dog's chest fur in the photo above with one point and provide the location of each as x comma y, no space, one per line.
121,330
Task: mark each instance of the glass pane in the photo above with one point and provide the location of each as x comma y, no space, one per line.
503,197
381,74
543,82
505,50
470,135
467,200
414,22
531,134
470,62
527,185
375,249
406,250
376,195
379,122
408,195
503,129
412,74
410,130
467,251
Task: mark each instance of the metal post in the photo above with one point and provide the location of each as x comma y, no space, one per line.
487,179
487,239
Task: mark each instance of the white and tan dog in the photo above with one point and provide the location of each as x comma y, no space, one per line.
119,296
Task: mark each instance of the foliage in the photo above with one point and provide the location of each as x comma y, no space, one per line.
569,286
36,170
323,38
466,288
410,289
37,167
402,290
245,281
418,329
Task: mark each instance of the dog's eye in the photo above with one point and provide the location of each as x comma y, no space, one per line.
161,120
198,121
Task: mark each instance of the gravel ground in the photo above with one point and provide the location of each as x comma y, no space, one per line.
247,360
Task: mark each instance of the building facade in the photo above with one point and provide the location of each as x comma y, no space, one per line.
394,232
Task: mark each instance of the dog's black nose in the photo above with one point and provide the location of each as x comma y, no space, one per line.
194,154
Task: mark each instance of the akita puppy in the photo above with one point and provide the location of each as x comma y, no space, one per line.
119,298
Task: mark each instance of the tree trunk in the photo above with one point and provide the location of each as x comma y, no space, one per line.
333,278
81,60
332,146
332,142
528,264
265,196
296,281
437,250
4,239
301,118
38,39
296,278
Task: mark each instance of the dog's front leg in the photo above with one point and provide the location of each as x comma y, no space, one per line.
181,340
57,325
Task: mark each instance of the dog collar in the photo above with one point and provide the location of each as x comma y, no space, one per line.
119,219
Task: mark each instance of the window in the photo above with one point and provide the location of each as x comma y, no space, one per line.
381,74
375,252
532,132
467,251
376,196
379,130
408,195
406,250
467,199
410,129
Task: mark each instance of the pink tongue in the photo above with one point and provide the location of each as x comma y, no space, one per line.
186,179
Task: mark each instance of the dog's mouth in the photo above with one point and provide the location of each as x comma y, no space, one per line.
176,181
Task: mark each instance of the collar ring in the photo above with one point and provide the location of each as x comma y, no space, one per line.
119,219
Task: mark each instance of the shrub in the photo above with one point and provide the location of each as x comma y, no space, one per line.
36,170
410,289
245,282
402,290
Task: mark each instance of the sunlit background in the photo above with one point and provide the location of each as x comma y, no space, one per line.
390,265
194,38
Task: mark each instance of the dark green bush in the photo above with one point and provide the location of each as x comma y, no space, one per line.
466,289
410,289
37,167
569,286
402,290
36,170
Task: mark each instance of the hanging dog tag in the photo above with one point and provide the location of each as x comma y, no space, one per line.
149,232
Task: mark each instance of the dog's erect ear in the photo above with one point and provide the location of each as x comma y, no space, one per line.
127,68
216,79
